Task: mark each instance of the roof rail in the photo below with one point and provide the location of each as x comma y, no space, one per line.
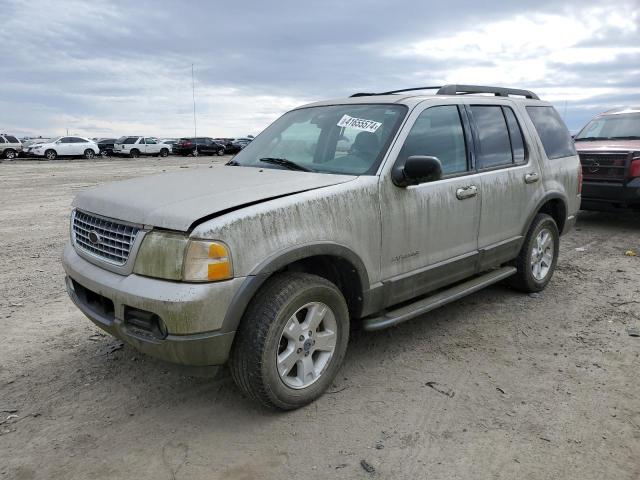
394,91
497,91
460,90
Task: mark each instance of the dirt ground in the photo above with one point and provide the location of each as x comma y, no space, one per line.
542,386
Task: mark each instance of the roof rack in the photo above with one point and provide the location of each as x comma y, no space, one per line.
394,91
461,90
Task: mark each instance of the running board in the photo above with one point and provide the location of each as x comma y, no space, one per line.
402,314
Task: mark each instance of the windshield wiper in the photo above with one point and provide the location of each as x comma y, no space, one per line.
285,163
232,163
591,138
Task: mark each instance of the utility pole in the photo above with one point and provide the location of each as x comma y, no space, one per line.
195,125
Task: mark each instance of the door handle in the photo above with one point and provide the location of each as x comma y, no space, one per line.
532,177
466,192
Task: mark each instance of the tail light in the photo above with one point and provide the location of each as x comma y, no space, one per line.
579,179
634,168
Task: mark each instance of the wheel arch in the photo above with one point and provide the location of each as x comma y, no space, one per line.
553,204
335,262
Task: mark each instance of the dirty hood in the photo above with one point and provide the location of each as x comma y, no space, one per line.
179,199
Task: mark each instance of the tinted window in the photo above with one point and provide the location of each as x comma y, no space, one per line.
66,140
11,139
130,140
515,134
553,133
438,132
2,140
494,148
78,140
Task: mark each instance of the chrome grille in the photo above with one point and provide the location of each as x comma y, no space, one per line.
604,166
112,241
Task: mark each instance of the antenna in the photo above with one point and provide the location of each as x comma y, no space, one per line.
195,125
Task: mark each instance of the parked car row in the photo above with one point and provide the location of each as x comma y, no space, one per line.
129,146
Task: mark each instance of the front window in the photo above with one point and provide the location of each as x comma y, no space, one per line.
341,139
623,126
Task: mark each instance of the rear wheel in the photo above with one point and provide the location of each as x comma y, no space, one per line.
88,153
50,154
10,154
134,153
537,259
291,341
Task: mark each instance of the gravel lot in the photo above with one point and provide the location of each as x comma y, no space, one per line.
526,386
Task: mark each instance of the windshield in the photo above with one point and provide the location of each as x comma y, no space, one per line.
619,126
342,139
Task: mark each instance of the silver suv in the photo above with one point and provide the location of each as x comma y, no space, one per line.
370,210
10,146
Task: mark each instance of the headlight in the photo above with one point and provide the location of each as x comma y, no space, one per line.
173,256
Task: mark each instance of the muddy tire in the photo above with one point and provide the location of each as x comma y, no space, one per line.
538,256
291,341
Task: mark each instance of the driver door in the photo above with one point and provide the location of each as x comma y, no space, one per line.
430,230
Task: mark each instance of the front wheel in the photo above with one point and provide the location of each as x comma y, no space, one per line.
10,154
164,152
538,256
220,152
50,154
89,154
291,341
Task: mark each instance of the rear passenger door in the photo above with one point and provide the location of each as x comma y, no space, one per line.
510,181
151,146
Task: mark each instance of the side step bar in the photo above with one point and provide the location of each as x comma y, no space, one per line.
402,314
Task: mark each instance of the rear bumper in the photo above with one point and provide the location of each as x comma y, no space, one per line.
108,299
609,195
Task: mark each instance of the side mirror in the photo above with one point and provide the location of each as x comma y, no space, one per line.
417,169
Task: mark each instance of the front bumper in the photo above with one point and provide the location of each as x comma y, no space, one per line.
610,195
193,313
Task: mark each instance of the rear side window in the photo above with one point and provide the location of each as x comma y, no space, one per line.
515,134
553,133
438,132
11,139
494,147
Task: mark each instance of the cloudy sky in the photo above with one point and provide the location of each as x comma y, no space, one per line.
109,68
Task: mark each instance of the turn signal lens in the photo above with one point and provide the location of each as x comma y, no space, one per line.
207,261
634,169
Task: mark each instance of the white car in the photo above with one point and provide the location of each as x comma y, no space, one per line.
136,146
65,147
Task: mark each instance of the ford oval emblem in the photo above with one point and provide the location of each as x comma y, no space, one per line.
94,237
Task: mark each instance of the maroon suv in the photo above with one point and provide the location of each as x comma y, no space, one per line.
609,149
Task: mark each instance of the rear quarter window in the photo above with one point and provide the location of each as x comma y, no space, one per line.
130,140
553,133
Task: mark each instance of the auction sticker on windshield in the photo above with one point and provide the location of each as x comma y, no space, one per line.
359,124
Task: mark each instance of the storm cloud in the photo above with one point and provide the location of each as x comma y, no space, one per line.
116,67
